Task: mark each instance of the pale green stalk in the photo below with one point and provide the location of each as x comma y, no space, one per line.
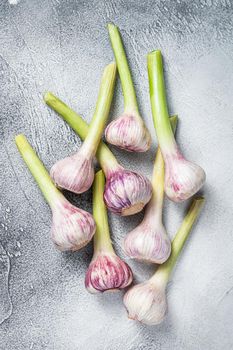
104,155
102,109
158,100
163,272
38,171
155,206
130,99
102,240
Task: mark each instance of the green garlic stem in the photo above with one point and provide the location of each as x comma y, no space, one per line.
130,99
158,100
102,109
102,240
154,208
37,169
178,242
104,155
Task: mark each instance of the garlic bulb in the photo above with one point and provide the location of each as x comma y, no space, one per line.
76,173
126,192
182,178
149,241
72,228
146,302
107,271
128,131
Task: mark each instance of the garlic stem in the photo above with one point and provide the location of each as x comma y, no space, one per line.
130,99
158,101
102,109
103,154
102,240
156,203
37,169
178,242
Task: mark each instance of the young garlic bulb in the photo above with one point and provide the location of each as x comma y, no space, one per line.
182,178
107,272
126,192
128,131
72,228
149,241
146,302
76,173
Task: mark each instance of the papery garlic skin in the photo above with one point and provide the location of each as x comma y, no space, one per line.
72,228
182,177
148,242
146,303
107,272
74,173
128,132
126,192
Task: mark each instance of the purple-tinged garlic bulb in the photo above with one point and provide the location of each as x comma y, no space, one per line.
126,192
107,272
127,131
76,173
146,302
182,178
149,241
72,228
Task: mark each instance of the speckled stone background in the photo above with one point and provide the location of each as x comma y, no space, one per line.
63,46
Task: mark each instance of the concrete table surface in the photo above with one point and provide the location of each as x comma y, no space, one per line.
63,46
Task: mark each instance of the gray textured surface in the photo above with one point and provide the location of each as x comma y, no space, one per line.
62,46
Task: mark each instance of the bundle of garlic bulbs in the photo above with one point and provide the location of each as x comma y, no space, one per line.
122,191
